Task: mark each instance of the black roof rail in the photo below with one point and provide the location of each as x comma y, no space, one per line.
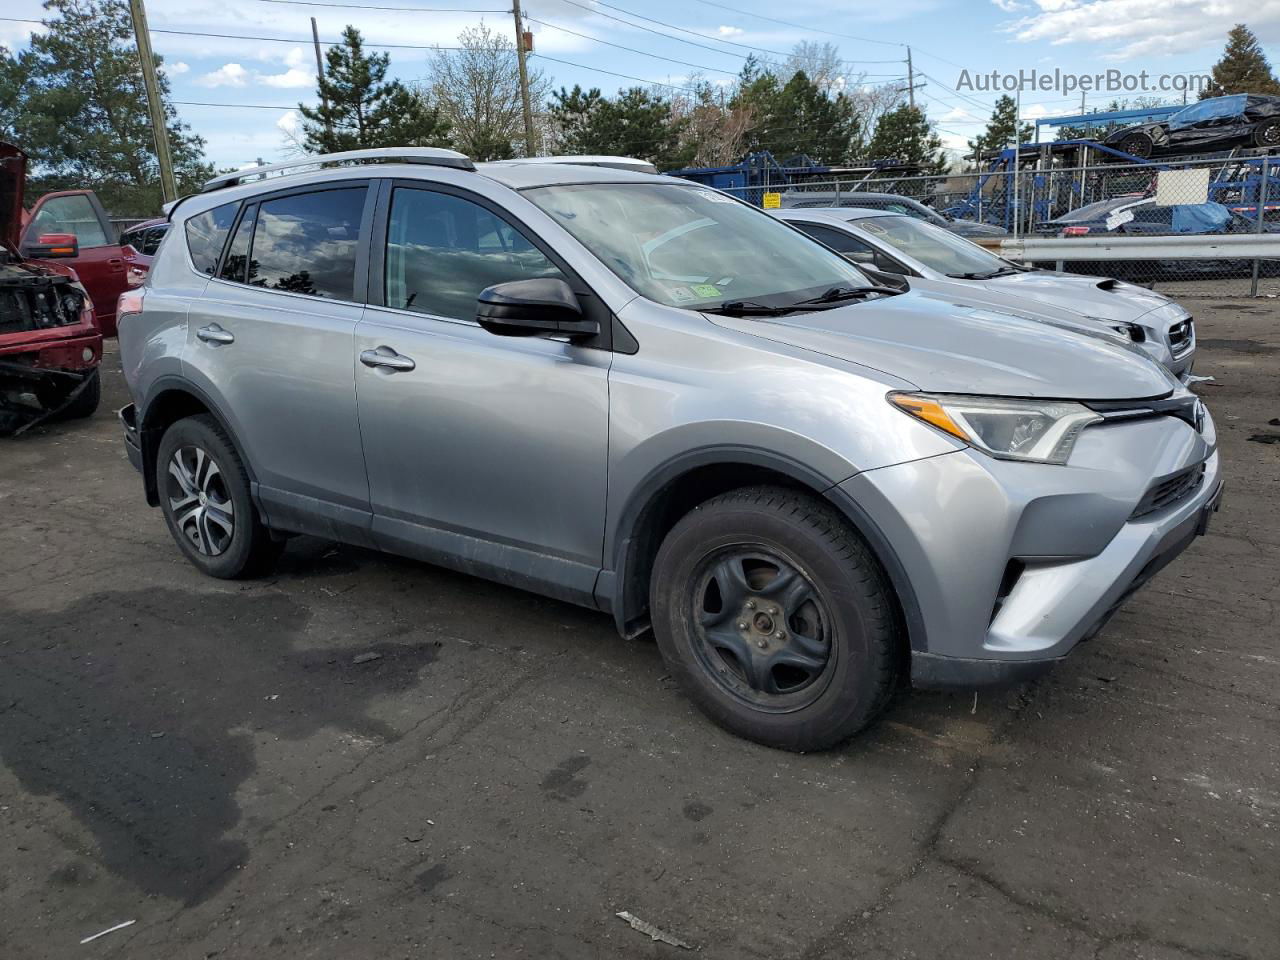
433,156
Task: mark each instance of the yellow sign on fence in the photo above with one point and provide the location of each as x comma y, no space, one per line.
772,201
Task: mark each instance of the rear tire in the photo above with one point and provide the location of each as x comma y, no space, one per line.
775,618
204,495
1267,134
84,405
1138,145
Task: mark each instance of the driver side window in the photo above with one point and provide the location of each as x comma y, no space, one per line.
442,250
852,249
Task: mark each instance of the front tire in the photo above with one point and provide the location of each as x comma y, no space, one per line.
775,618
204,495
1267,134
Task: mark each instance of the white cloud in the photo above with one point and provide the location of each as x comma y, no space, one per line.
1010,6
290,123
227,75
730,31
958,115
176,68
293,77
1126,29
1034,112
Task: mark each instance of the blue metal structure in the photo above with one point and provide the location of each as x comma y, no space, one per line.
1122,117
754,174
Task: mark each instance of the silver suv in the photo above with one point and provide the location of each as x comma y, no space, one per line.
642,396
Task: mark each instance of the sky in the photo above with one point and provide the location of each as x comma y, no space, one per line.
240,91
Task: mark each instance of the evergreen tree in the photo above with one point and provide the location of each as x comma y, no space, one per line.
1001,128
75,101
637,123
359,109
1243,67
905,135
797,118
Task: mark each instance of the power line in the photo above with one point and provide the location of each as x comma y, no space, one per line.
366,6
610,43
625,76
247,106
788,23
240,36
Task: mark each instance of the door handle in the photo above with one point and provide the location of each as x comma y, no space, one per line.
386,357
215,335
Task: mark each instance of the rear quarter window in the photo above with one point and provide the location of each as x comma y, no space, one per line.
207,235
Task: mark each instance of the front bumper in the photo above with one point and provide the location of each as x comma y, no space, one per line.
1013,564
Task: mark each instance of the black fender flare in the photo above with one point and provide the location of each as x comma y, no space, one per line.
616,594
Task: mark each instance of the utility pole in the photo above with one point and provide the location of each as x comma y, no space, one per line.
529,140
159,129
324,101
911,81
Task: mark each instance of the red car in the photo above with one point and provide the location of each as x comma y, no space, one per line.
50,342
106,267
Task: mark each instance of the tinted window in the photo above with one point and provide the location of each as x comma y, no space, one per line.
74,214
443,250
151,242
306,243
238,253
838,240
206,234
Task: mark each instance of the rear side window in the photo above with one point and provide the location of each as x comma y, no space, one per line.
306,243
71,214
206,235
233,264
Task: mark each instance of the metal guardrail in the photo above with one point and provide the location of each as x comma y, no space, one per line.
1201,247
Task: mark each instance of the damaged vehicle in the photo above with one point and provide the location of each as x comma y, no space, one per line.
50,344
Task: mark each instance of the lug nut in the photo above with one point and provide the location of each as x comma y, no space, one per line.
774,611
778,635
762,643
742,625
751,604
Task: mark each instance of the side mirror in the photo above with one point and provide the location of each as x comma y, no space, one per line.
543,307
895,280
50,246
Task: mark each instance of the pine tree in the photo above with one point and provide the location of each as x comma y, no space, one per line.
359,109
905,135
1242,69
1001,129
75,101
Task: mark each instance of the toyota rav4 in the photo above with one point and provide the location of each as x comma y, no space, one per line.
639,395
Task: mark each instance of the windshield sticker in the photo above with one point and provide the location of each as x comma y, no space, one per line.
682,294
714,197
1115,219
707,290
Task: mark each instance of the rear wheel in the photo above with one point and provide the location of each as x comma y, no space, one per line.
204,494
775,618
88,395
1138,145
1267,134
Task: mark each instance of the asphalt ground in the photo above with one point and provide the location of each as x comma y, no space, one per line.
210,760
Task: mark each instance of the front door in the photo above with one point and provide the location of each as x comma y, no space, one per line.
100,263
485,453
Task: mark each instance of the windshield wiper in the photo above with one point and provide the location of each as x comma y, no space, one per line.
746,308
836,294
988,274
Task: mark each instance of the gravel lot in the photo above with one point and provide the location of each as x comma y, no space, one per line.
207,759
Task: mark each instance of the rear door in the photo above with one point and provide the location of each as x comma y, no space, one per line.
485,453
272,341
101,263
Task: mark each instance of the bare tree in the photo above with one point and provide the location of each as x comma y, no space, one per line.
477,88
870,103
713,131
821,63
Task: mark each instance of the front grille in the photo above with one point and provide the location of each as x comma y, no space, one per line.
1181,337
1170,490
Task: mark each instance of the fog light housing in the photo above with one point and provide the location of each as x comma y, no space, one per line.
87,354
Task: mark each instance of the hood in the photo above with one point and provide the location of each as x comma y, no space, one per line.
13,175
1148,128
1090,296
955,348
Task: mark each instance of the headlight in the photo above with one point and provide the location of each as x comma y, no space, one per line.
1043,431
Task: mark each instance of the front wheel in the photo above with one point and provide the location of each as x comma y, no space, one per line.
1267,134
204,494
775,618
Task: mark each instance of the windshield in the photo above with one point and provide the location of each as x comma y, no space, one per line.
690,247
936,248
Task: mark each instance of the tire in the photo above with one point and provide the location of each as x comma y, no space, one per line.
799,648
1267,134
204,495
1138,145
86,402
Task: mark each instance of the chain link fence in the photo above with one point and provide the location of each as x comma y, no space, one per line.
1226,195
